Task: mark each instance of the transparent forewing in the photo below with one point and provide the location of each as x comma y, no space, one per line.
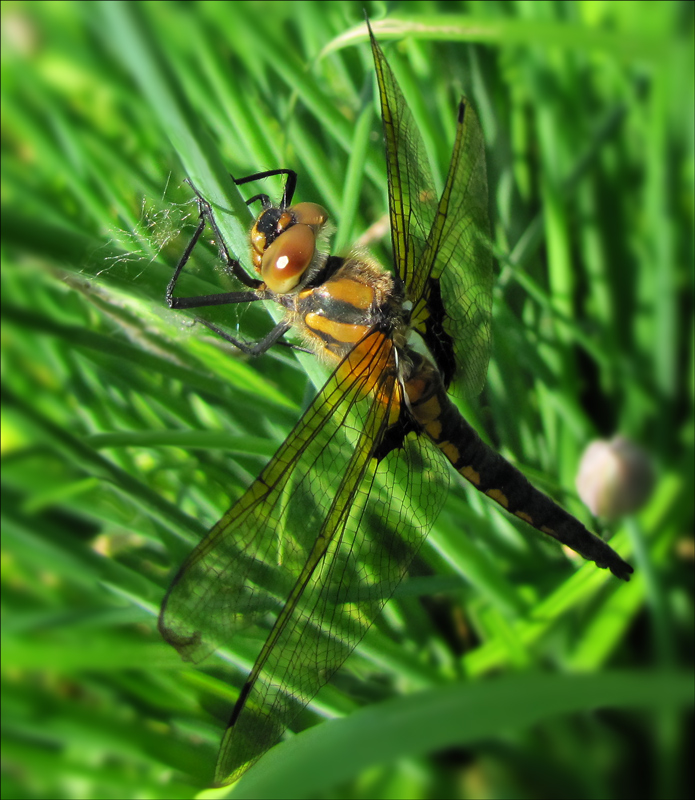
311,552
455,310
412,196
441,250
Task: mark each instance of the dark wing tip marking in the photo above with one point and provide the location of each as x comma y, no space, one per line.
462,110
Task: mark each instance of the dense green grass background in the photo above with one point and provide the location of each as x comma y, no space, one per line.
127,430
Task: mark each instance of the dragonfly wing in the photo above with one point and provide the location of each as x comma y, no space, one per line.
455,310
412,195
441,250
312,551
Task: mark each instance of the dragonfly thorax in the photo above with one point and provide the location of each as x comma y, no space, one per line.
283,243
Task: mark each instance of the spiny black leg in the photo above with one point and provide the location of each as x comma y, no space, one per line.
288,193
222,298
172,301
260,347
264,200
232,265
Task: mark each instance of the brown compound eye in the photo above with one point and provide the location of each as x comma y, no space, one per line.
288,257
310,214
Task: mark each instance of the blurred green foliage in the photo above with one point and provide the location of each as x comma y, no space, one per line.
127,430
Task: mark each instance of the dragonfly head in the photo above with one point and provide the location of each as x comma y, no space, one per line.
283,243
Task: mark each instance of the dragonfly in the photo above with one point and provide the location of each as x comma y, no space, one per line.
311,552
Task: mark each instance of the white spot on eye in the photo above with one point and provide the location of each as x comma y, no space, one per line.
282,262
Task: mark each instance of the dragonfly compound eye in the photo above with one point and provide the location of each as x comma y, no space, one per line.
310,214
288,257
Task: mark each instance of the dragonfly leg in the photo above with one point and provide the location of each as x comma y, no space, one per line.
221,298
232,265
287,195
261,347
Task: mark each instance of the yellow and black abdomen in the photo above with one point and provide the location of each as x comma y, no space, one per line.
493,475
